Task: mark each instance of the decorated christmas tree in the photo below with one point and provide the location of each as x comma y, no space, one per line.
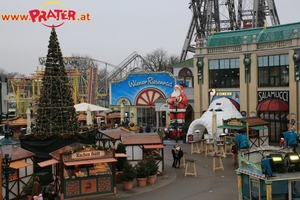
56,115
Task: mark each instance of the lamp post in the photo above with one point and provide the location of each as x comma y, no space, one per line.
6,152
176,106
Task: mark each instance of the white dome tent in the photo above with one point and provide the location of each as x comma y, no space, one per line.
224,109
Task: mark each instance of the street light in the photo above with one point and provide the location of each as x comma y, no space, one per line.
176,107
6,151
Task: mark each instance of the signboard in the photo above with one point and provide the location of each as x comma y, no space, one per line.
87,154
235,123
134,84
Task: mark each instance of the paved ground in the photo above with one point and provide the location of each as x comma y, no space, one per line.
174,185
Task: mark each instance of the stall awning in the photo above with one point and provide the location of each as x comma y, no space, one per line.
258,127
87,162
121,155
232,127
19,164
153,146
48,162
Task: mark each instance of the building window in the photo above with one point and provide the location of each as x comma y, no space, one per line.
224,73
277,123
254,188
146,116
185,78
273,71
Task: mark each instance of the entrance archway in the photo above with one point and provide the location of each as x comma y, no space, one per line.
145,106
274,111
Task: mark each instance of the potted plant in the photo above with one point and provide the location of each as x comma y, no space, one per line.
120,161
27,189
127,176
142,172
153,169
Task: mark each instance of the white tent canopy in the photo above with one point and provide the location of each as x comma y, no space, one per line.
224,109
84,107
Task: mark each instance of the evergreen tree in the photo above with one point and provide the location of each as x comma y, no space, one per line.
56,115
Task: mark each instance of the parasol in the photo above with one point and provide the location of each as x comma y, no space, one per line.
84,107
28,120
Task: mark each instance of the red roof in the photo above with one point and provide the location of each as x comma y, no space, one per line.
272,105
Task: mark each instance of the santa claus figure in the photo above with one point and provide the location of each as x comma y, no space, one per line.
177,103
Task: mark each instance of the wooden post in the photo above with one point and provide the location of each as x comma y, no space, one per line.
268,190
1,179
61,173
240,188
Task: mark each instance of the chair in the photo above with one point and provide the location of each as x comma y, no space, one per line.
228,145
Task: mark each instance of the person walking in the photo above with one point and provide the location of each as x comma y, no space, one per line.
234,150
36,188
173,154
178,156
148,128
50,191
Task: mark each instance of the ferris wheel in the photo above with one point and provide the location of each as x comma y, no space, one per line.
209,16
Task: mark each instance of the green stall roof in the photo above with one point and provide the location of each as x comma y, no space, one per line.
271,33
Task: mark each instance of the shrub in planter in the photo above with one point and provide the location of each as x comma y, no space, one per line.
121,161
127,176
142,172
129,172
152,165
27,189
153,169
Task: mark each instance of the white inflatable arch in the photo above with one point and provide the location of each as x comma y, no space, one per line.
224,109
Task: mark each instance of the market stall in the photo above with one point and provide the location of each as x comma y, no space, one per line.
110,137
21,171
254,127
84,170
141,145
138,145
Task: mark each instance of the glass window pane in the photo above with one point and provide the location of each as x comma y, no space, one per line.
284,59
276,60
259,61
271,60
222,64
226,64
213,64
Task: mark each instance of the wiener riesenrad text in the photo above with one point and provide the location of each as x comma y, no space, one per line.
149,81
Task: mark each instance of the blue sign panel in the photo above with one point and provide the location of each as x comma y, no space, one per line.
135,83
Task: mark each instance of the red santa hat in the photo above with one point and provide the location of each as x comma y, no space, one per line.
178,86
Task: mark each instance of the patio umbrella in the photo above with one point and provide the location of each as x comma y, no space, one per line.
214,128
122,112
84,106
89,116
28,120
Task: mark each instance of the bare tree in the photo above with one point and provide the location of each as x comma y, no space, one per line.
159,60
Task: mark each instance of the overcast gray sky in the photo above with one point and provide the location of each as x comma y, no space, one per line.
115,30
